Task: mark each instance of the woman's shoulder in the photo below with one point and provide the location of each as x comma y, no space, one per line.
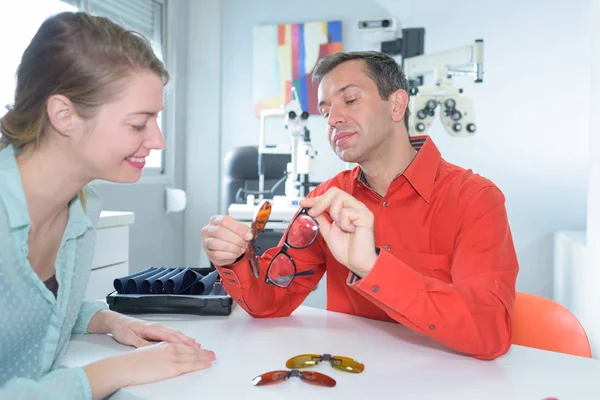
93,204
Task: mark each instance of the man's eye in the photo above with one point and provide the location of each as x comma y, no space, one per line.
139,128
350,101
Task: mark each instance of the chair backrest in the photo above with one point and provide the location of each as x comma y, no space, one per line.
240,171
544,324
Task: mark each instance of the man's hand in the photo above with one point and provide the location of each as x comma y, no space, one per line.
350,237
224,240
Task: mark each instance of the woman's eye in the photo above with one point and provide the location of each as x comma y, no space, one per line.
350,101
139,128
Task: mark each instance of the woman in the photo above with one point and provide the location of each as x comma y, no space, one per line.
86,104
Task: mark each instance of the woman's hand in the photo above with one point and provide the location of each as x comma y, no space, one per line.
147,364
135,332
138,333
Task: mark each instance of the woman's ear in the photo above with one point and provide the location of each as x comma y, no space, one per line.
61,114
399,104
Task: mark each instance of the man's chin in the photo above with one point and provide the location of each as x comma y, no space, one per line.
347,155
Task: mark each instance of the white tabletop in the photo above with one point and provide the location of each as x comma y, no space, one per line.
109,219
399,363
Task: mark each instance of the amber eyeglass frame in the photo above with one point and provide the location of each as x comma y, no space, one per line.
341,363
274,377
259,221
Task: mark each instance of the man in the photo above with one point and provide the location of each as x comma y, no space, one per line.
405,236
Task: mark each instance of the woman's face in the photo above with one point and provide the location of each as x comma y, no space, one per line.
121,134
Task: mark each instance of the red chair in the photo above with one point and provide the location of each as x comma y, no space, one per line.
544,324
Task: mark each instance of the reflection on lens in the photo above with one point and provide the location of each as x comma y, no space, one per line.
282,269
317,378
347,364
270,378
303,232
303,361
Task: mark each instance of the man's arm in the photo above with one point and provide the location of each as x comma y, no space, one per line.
473,313
264,300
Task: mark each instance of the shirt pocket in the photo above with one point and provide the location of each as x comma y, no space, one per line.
436,266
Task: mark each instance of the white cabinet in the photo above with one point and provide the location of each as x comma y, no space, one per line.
111,256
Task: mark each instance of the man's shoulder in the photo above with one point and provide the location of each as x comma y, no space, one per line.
343,180
464,181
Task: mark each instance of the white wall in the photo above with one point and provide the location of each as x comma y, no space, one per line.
532,112
532,109
588,296
202,155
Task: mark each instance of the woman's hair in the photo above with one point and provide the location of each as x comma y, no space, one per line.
82,57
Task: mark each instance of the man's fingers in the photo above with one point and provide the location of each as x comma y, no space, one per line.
346,219
324,226
223,234
215,244
233,225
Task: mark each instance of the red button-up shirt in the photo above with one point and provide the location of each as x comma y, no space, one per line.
446,267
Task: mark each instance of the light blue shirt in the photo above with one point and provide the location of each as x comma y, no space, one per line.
35,327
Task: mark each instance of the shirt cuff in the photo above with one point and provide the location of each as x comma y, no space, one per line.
88,309
389,281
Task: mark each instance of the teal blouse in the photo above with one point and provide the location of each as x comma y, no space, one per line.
35,326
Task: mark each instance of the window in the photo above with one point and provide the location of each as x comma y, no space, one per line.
19,20
146,18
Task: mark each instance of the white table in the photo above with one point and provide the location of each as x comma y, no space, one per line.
399,363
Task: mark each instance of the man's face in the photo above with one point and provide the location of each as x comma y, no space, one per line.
358,120
122,133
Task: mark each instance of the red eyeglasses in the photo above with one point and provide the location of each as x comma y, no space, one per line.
301,233
314,378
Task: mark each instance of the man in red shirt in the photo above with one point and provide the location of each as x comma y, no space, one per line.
405,236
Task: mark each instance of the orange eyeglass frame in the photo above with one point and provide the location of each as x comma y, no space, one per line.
273,377
259,221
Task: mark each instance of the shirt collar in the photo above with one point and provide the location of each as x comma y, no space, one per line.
422,170
13,197
12,194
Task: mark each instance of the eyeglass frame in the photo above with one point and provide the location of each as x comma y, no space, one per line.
295,373
286,246
328,358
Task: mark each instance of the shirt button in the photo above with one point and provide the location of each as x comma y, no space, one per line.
385,204
388,247
375,288
432,327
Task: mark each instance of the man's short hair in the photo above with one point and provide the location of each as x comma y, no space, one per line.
381,68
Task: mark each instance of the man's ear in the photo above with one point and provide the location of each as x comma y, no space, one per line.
61,114
399,104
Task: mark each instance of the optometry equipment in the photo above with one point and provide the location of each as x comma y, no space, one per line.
297,177
457,112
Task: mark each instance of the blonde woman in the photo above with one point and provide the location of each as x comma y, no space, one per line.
86,104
